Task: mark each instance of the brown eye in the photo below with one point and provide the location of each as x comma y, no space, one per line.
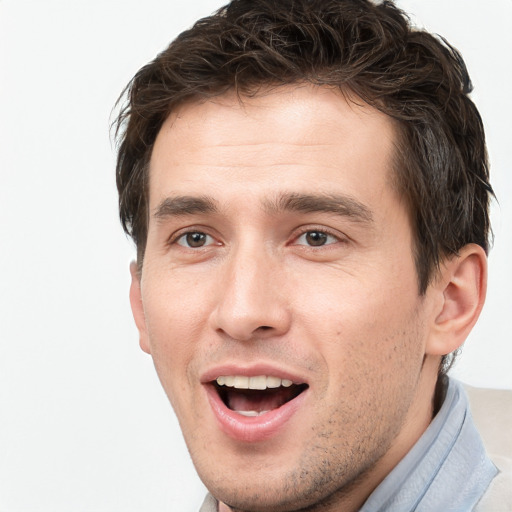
316,238
195,239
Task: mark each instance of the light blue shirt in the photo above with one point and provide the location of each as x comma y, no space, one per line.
447,470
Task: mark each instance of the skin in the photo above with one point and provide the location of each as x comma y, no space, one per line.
345,316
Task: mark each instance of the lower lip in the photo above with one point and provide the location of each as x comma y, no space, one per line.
252,429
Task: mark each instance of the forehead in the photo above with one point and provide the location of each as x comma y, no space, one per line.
293,137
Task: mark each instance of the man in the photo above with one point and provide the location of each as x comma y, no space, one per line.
306,183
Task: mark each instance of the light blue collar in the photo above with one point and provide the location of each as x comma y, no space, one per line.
446,470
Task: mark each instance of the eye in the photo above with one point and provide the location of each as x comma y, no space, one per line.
316,238
194,240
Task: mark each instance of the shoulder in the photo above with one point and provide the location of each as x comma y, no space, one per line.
210,504
492,413
498,497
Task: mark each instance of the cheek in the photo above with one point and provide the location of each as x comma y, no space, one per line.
365,324
373,365
175,307
174,321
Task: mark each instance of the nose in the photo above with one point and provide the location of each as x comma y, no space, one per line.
252,302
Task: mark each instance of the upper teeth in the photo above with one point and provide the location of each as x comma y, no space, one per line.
259,382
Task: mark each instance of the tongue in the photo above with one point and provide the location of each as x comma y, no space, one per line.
253,400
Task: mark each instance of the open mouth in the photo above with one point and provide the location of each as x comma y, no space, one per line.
254,396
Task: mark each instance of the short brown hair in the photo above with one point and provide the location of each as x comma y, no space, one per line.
360,46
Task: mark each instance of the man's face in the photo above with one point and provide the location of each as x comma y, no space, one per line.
280,258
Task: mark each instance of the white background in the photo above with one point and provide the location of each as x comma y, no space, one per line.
84,425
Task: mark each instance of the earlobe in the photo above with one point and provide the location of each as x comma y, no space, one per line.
461,288
137,307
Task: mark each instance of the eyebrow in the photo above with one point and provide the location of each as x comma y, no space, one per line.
342,205
336,204
180,206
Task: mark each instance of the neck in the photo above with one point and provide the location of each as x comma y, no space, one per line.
429,398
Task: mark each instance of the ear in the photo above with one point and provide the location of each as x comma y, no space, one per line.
137,307
460,290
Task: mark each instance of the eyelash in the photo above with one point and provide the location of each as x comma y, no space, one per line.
323,231
175,239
